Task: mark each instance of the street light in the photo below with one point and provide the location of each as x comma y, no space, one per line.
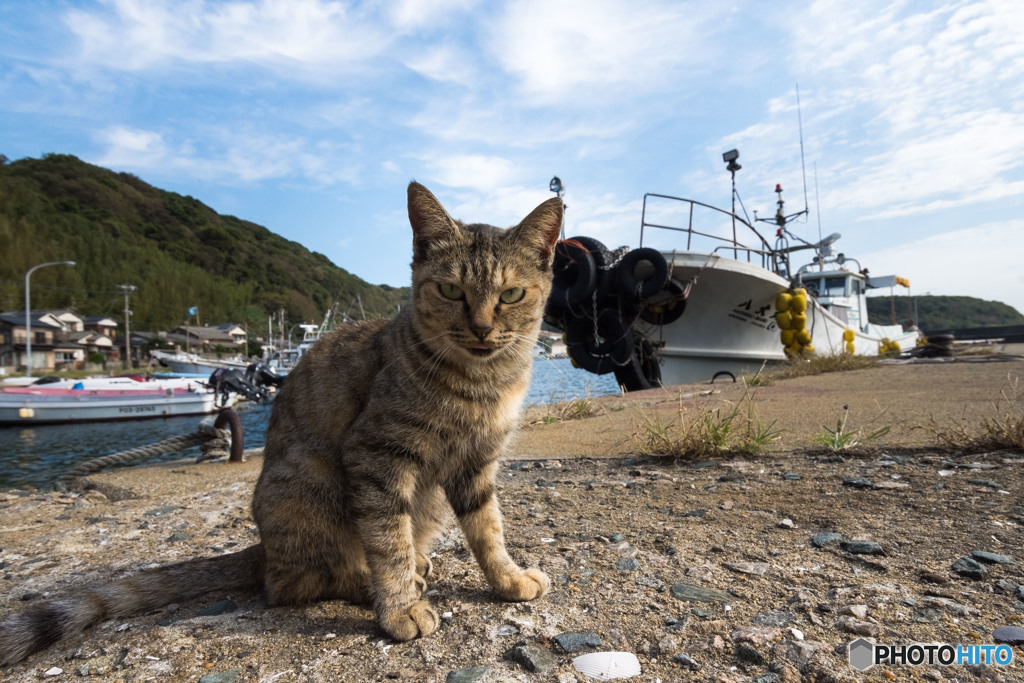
127,289
28,312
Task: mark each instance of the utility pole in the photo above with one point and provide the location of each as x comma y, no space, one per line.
127,289
28,310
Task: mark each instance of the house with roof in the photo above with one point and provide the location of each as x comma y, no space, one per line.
51,348
208,339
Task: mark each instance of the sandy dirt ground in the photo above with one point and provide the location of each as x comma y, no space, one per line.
733,568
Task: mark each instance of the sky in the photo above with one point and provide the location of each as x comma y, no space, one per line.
310,117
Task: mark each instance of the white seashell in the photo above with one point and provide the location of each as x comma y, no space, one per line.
606,666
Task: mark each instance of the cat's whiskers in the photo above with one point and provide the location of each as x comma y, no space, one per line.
409,350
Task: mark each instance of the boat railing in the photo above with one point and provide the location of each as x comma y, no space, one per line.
758,250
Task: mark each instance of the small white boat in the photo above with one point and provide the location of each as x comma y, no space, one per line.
719,304
104,399
194,364
282,361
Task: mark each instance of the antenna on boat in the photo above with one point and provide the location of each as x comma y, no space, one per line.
800,125
817,202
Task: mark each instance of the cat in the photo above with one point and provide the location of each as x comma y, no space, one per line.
381,431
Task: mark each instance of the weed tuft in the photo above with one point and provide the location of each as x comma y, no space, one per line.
711,432
1004,431
841,438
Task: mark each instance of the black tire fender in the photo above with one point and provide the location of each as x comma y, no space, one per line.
653,283
575,274
670,310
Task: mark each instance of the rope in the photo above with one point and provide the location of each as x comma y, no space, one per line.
206,437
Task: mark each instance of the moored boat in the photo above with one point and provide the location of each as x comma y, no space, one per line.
50,404
723,302
194,364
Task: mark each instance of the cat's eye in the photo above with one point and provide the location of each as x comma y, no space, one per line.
450,291
513,295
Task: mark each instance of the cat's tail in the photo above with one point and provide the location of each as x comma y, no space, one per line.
50,621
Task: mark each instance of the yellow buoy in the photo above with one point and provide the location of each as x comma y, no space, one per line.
799,303
808,350
798,321
848,335
851,348
784,319
782,301
787,337
803,336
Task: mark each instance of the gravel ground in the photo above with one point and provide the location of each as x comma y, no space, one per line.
733,569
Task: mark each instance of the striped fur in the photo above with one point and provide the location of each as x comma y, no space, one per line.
380,433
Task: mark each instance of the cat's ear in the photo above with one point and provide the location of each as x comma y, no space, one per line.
428,219
541,229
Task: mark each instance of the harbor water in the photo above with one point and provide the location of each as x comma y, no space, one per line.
36,456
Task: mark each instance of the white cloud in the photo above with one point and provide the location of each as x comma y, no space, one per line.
598,49
917,110
226,156
445,63
426,14
474,171
947,264
302,34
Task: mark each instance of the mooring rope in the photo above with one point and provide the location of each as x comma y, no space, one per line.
213,442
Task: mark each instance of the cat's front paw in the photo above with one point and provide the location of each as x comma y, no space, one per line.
418,620
525,585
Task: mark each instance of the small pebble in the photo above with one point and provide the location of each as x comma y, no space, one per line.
578,642
857,482
991,558
532,658
972,569
470,675
746,653
787,523
824,539
1011,635
862,548
755,568
687,661
691,593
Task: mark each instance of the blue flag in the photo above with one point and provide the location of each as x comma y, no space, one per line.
193,310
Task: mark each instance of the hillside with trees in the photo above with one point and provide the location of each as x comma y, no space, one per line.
176,250
942,312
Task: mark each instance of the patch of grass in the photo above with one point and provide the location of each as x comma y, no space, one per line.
819,365
711,432
1002,431
576,409
842,438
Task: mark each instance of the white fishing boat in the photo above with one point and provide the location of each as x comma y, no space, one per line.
194,364
283,360
720,302
104,399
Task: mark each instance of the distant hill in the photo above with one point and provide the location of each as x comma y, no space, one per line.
942,312
176,250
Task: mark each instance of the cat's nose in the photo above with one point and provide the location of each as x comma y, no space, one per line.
481,331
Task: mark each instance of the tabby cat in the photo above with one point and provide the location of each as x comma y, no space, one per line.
380,431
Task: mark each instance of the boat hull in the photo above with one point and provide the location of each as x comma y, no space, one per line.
21,407
191,364
728,328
